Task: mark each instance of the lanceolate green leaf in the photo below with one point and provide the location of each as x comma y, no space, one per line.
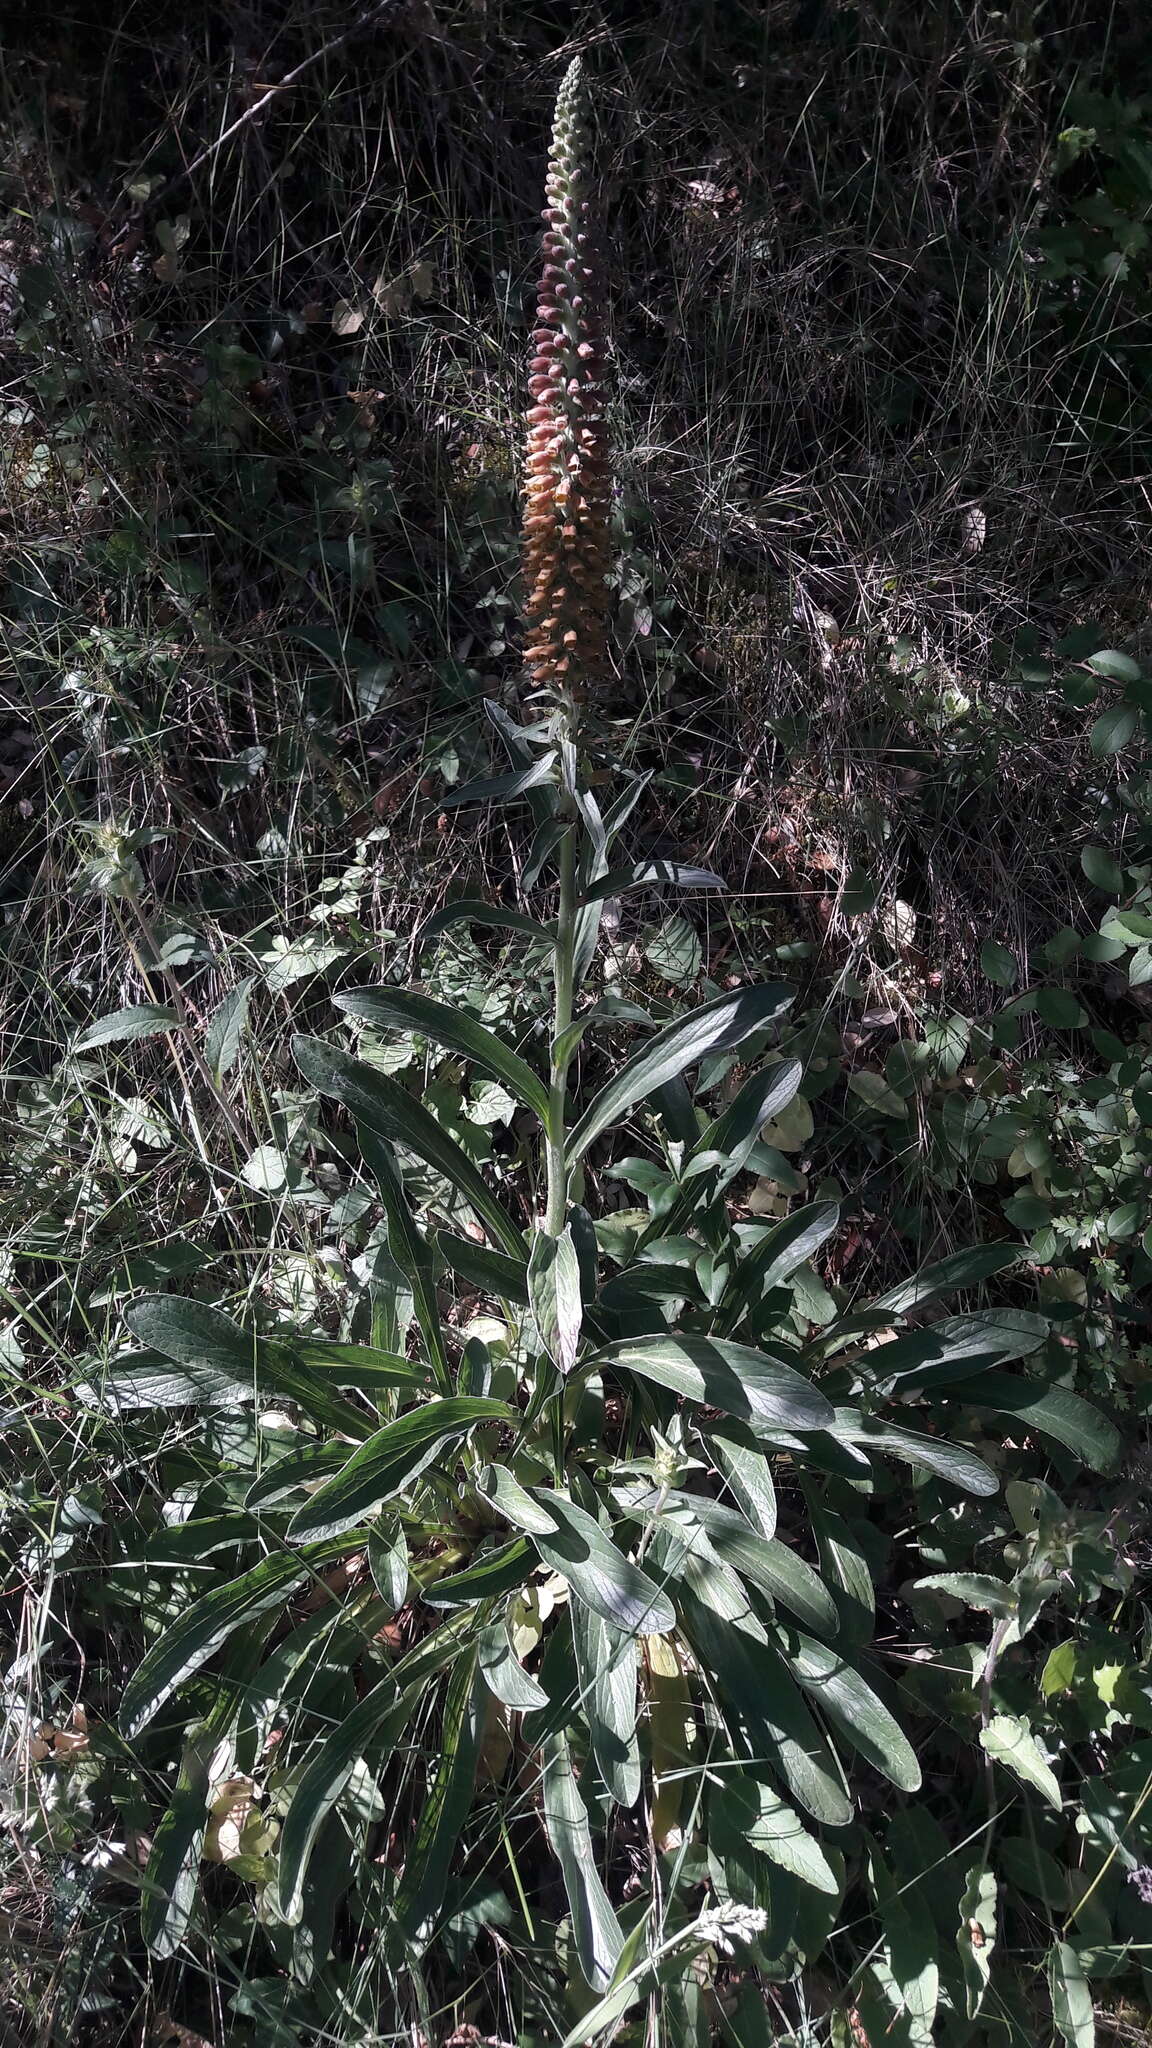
597,1572
947,1460
594,1924
396,1454
967,1268
408,1246
473,910
724,1145
1073,2006
187,1645
287,1475
429,1856
355,1365
504,1674
224,1033
171,1884
385,1009
754,1679
203,1340
523,1509
502,788
652,874
776,1256
748,1474
846,1699
759,1388
376,1722
773,1568
554,1292
607,1662
496,1274
717,1027
375,1100
496,1571
954,1348
756,1815
1053,1411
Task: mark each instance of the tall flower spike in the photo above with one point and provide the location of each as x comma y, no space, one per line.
568,481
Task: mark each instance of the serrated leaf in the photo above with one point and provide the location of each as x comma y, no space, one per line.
1059,1008
1008,1740
1118,667
674,951
402,1010
753,1385
717,1027
139,1020
873,1090
598,1573
1113,729
975,1589
1101,869
223,1037
390,1460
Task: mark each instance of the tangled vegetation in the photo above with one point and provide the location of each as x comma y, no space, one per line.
577,1086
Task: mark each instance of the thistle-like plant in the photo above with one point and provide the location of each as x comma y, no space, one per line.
568,484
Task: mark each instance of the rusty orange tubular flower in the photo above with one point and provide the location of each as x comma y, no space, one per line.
568,485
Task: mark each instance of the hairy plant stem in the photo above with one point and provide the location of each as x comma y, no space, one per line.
564,976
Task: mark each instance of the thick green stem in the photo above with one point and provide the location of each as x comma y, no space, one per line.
564,972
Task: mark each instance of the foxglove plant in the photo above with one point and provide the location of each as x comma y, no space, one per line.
473,1480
